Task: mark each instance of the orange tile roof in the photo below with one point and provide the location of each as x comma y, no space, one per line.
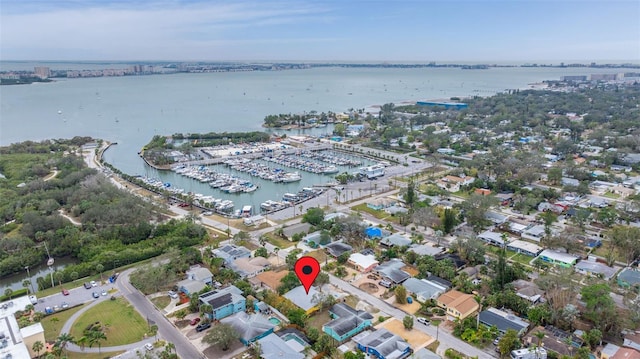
626,353
459,301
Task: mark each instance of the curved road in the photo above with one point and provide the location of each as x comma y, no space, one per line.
166,330
66,328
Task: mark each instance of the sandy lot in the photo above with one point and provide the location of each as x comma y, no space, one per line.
415,338
407,308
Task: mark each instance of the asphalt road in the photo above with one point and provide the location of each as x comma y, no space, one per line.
446,340
166,330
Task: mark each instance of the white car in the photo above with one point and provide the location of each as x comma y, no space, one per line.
423,321
148,346
94,283
172,294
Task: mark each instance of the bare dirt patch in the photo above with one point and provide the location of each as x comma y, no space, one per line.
369,287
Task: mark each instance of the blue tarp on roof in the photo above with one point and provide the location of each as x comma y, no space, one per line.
373,232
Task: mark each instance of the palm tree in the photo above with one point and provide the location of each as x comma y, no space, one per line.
37,347
276,250
8,293
26,283
96,336
540,336
170,347
99,269
63,340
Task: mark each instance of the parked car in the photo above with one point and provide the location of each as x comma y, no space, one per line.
497,341
94,283
385,283
172,294
203,326
194,321
423,320
95,295
64,305
104,292
33,299
65,292
148,346
87,285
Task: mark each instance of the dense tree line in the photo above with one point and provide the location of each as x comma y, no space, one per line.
115,225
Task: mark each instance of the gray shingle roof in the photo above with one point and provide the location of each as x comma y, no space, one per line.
503,322
391,270
249,326
384,342
348,318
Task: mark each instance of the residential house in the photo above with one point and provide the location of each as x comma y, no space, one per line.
312,238
529,353
335,215
528,290
336,249
629,277
534,233
524,247
608,351
425,353
383,344
190,287
200,274
250,327
395,240
423,289
250,267
454,258
379,204
362,263
593,268
493,238
496,218
440,281
632,340
224,302
426,249
300,298
391,271
454,183
288,232
231,252
458,305
626,353
503,321
558,258
555,340
274,347
346,322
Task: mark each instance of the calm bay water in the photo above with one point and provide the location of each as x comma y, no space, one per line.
130,110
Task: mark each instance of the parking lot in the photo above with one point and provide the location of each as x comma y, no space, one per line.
76,296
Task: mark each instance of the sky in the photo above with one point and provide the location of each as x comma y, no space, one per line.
307,30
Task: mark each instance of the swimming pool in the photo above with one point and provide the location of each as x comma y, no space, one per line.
274,321
292,336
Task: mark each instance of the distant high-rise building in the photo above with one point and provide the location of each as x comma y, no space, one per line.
42,72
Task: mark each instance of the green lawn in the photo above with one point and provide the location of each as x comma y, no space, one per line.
102,355
522,259
363,208
161,302
123,324
319,319
53,326
279,242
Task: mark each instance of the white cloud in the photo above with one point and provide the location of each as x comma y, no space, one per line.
159,30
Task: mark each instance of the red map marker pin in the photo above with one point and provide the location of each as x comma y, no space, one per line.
307,269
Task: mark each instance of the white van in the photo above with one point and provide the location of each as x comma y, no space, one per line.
33,299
